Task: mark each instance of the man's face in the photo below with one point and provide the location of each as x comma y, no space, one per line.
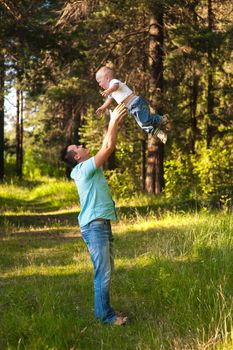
102,80
81,153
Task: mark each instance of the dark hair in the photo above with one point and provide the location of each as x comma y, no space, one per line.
68,157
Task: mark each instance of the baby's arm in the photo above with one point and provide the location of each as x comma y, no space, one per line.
104,106
109,90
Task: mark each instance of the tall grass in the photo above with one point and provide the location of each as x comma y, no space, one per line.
173,275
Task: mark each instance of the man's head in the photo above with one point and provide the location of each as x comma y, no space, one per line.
74,154
103,76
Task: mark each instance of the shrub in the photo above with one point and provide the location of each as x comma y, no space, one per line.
206,176
180,180
120,183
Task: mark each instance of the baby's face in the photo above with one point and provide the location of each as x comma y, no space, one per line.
103,80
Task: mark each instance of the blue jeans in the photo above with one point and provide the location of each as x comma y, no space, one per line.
99,240
140,110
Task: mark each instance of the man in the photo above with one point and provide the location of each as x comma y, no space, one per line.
97,209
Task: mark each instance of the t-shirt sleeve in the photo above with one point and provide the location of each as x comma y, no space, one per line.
114,81
85,169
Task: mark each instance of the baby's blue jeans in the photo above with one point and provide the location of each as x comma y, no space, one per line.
140,110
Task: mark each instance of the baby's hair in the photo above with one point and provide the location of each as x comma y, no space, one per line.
105,69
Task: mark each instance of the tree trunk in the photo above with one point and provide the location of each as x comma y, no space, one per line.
18,169
77,120
193,108
21,135
194,89
154,175
72,118
2,79
143,163
155,171
145,137
210,95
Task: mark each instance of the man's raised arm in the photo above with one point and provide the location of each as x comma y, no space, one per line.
110,138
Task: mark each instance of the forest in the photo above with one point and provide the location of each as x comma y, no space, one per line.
173,241
177,54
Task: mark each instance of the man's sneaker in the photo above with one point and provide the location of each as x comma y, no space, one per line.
161,135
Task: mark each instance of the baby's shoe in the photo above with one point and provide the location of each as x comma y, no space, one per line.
165,122
160,134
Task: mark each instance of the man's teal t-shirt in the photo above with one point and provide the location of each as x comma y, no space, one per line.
95,196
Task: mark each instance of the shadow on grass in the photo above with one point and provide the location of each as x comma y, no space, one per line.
171,304
13,203
169,241
47,234
40,213
189,302
42,311
158,208
47,247
22,183
163,241
42,234
37,220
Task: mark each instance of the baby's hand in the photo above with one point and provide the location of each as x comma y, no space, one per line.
105,93
100,110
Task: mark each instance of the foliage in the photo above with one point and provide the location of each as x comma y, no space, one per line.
180,182
92,130
36,165
214,170
59,59
206,175
121,184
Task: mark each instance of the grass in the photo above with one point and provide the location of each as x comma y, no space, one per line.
173,274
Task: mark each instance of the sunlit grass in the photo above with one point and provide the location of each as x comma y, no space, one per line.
173,275
48,194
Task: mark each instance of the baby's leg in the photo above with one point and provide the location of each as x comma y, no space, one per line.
139,109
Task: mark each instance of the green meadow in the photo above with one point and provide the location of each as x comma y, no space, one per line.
173,274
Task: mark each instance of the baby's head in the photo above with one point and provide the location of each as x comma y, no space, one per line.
103,76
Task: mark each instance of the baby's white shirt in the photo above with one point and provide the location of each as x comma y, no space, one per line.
121,93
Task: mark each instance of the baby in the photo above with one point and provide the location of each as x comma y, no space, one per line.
137,106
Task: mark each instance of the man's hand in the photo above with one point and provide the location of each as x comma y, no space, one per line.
118,113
